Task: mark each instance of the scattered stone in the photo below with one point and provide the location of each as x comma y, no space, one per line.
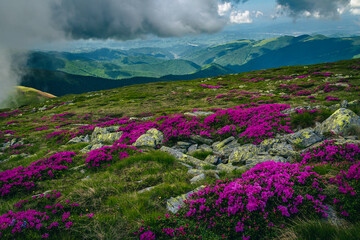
344,104
185,158
152,138
198,114
264,158
332,217
283,150
305,137
91,147
186,165
192,149
241,154
268,144
339,122
201,139
218,145
146,189
198,178
205,148
80,139
213,159
227,167
173,204
194,171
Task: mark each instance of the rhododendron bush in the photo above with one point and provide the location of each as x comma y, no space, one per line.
49,216
25,178
263,198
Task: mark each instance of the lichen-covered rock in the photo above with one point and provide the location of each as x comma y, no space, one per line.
192,149
339,122
228,167
108,134
91,147
185,158
201,139
152,138
241,154
205,148
283,149
198,178
80,139
264,158
212,159
218,145
195,171
268,144
173,204
305,137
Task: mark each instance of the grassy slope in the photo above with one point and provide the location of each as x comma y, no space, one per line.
112,193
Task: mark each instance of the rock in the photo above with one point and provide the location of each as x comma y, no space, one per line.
205,148
339,122
198,178
213,159
77,168
227,167
152,138
354,103
195,172
173,204
192,149
283,149
218,145
264,158
335,106
305,137
198,113
268,144
146,189
80,139
108,134
344,104
180,150
332,217
184,145
201,139
185,158
241,154
91,147
186,165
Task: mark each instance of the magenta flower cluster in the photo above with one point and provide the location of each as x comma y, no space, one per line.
211,86
51,216
263,198
102,157
24,178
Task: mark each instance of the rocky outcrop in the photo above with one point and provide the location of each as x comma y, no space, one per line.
80,139
153,138
185,158
198,114
305,137
106,135
340,122
241,154
225,147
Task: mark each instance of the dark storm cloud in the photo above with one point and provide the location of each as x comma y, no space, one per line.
321,8
129,19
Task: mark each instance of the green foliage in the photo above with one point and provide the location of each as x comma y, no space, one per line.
201,154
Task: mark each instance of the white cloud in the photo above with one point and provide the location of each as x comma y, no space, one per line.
239,17
224,8
258,14
355,11
355,3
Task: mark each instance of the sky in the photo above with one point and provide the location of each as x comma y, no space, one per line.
27,24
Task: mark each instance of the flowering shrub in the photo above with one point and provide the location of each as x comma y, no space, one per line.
103,156
331,98
211,86
24,178
347,201
248,207
328,152
49,217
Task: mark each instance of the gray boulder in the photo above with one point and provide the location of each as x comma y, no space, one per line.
339,122
305,137
241,154
152,138
213,159
108,134
173,204
185,158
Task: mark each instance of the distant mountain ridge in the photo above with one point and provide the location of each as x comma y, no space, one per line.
107,68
